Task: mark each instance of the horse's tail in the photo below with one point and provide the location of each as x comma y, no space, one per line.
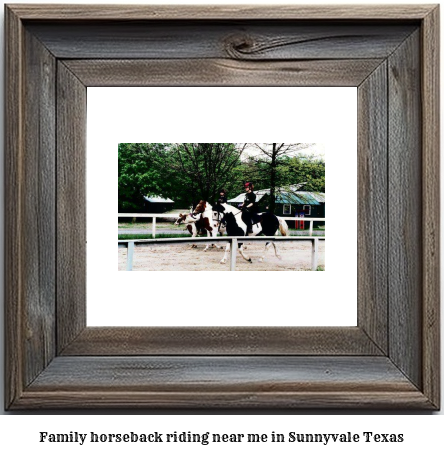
283,227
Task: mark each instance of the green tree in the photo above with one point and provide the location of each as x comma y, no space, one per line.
185,172
204,168
272,166
309,170
142,171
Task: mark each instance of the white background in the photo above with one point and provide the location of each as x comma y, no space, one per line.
222,114
422,434
19,433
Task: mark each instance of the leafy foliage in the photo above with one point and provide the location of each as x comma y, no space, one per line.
279,167
188,172
142,171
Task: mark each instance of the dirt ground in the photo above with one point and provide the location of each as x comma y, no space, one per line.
294,256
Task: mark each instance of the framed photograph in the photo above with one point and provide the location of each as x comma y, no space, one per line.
55,358
160,181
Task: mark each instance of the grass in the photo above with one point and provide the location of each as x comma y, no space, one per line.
148,226
319,268
134,225
124,237
306,234
318,228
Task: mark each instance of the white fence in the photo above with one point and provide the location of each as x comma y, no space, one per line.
176,216
130,245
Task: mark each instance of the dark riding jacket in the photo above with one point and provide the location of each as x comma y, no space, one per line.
250,198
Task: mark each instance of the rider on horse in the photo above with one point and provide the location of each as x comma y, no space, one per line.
249,207
222,196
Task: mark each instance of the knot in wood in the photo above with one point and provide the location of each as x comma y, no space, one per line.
239,46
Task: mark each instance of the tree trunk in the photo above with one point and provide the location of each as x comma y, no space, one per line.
273,179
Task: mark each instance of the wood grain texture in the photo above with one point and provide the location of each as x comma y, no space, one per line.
13,206
220,12
372,207
38,222
71,206
209,373
258,40
430,94
126,341
405,209
221,72
229,382
407,378
260,402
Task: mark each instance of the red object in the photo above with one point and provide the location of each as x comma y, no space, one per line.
299,224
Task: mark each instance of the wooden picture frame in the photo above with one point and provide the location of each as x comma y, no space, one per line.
390,360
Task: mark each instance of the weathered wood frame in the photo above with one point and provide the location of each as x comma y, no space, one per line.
390,360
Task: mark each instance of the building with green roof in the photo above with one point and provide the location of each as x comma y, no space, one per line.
290,202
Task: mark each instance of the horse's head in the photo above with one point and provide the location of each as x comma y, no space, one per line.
218,207
192,218
181,219
228,218
218,212
187,218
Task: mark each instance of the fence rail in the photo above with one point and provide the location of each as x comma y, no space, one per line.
130,245
176,216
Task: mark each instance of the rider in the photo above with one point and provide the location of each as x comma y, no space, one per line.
222,196
249,207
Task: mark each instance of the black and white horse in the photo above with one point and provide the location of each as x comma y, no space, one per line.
267,224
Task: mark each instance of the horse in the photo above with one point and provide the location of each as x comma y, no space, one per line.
209,222
217,221
193,223
200,220
266,224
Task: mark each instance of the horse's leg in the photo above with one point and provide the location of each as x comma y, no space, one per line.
208,245
276,252
241,250
267,246
227,250
193,234
214,234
